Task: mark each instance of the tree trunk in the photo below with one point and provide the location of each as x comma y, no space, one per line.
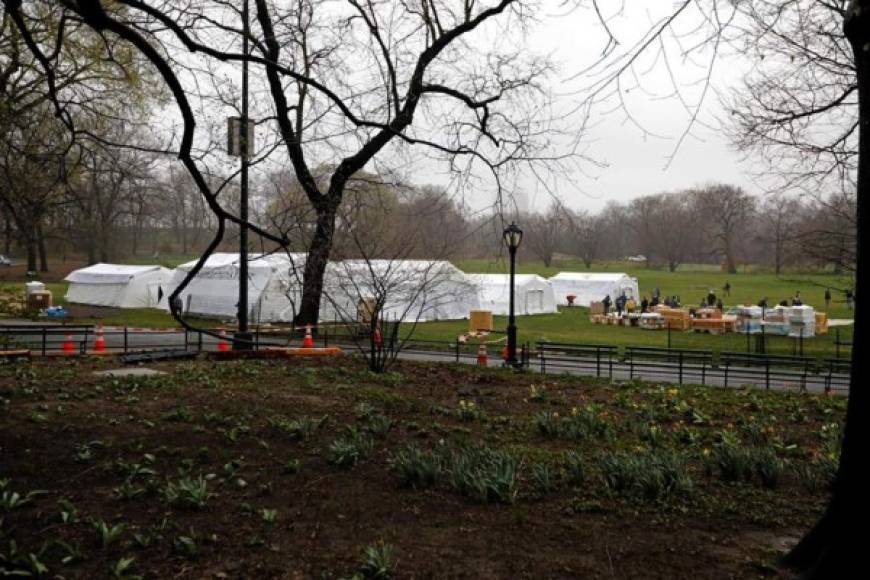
315,267
43,254
7,240
834,548
730,263
30,244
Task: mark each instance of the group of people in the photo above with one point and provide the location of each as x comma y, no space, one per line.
710,300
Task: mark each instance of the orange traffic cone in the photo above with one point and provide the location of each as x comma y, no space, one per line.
68,343
100,340
223,345
308,341
482,358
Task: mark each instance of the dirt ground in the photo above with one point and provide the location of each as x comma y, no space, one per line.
82,450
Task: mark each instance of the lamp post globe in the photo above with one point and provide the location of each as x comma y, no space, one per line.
513,237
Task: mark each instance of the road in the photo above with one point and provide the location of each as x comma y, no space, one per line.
118,340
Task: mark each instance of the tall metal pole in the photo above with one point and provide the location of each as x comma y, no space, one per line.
243,336
512,326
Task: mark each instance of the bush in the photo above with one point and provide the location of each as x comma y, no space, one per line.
417,468
768,467
350,449
575,469
733,462
483,474
651,476
817,476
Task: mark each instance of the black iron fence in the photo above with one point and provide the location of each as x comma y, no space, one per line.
673,365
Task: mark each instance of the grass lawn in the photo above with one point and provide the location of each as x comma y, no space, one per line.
691,282
572,325
309,469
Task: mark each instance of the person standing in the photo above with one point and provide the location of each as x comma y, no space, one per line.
655,294
726,289
606,302
850,299
711,298
827,298
644,305
796,301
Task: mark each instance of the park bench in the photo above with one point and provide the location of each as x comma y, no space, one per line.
837,372
669,361
737,365
566,356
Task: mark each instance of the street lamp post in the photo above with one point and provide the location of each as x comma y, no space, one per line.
243,335
513,235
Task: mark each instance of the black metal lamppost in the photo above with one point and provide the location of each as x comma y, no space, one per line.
513,236
243,336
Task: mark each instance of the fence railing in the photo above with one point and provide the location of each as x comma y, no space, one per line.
672,365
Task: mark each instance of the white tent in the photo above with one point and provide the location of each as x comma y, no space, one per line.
117,285
592,287
274,287
532,293
413,290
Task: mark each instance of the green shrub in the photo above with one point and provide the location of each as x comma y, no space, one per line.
768,467
651,475
575,469
734,463
483,474
416,468
350,449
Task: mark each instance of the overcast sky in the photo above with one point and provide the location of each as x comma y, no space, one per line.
637,164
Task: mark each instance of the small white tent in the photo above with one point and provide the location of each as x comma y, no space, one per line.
117,285
413,290
592,287
533,294
274,287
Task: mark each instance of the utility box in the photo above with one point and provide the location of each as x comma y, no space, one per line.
480,320
39,300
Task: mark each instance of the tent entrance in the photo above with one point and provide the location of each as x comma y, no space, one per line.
534,301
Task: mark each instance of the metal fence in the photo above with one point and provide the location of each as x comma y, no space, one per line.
673,365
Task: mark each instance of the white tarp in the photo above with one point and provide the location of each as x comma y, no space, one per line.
532,293
274,287
117,285
592,287
413,290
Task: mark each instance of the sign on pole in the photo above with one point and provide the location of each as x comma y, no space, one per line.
234,136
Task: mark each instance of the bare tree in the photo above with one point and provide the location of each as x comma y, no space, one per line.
585,234
544,234
728,208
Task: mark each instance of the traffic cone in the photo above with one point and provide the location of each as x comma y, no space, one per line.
482,358
68,343
223,345
308,341
100,340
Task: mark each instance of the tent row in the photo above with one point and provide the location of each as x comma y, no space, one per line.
404,289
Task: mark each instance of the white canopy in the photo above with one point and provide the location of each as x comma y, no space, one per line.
592,287
413,290
533,294
117,285
274,287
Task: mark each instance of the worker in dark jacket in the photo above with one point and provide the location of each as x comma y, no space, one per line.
644,305
606,302
827,297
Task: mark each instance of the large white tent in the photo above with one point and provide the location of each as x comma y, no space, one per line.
532,293
414,290
274,287
592,287
117,285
